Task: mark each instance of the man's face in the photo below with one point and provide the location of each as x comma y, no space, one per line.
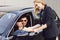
24,21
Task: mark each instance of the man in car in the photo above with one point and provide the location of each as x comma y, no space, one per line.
23,24
24,28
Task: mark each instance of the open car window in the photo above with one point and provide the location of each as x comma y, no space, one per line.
29,17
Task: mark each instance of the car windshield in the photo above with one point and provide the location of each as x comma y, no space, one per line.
5,21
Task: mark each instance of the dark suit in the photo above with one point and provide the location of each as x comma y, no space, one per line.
48,17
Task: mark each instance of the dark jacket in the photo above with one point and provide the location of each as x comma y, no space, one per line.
47,16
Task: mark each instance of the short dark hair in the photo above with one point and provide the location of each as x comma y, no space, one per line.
23,16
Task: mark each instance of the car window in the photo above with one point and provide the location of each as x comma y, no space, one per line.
5,20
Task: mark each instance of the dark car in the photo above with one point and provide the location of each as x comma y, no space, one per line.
8,21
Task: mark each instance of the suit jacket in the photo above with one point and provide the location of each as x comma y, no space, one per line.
47,16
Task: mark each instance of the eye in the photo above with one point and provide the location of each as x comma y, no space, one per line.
25,20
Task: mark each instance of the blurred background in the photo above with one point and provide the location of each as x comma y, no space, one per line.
11,5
